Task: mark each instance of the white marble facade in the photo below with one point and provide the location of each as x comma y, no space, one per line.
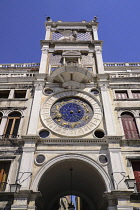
62,125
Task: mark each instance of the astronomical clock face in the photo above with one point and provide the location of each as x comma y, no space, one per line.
71,113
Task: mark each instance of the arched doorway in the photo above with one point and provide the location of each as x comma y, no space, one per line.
87,183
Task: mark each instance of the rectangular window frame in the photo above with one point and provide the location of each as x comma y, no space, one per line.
12,127
6,91
121,97
135,94
20,92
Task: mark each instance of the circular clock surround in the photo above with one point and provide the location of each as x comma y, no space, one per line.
71,113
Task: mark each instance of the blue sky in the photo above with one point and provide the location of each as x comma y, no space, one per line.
22,26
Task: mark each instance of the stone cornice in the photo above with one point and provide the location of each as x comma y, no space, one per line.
71,24
127,108
95,42
80,141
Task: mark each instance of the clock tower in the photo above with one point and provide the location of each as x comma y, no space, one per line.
72,146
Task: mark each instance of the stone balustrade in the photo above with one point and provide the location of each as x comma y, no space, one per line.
20,65
121,64
120,75
17,75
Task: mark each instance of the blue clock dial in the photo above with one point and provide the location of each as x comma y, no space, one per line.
71,112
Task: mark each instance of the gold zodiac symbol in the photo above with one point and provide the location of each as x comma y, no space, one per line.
64,123
74,124
87,110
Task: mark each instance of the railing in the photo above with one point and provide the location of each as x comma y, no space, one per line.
120,75
20,65
32,65
17,75
121,64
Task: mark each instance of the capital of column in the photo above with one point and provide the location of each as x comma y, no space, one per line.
45,50
98,49
103,87
39,86
94,28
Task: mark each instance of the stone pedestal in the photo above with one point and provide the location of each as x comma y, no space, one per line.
6,200
24,200
20,201
119,200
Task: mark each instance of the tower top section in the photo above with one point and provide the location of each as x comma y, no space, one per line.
84,31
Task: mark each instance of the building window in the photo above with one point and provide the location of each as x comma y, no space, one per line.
121,94
20,94
4,170
136,94
136,170
4,93
129,126
12,125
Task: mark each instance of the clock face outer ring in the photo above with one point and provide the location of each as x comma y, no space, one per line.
71,132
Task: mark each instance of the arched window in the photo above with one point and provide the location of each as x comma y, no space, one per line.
129,126
1,115
12,125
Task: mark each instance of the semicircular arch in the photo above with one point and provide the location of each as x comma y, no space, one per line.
105,177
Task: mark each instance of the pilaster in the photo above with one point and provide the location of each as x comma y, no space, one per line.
95,33
32,130
48,33
25,172
109,120
118,173
44,59
99,59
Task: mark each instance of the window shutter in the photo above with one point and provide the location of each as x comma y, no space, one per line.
129,126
